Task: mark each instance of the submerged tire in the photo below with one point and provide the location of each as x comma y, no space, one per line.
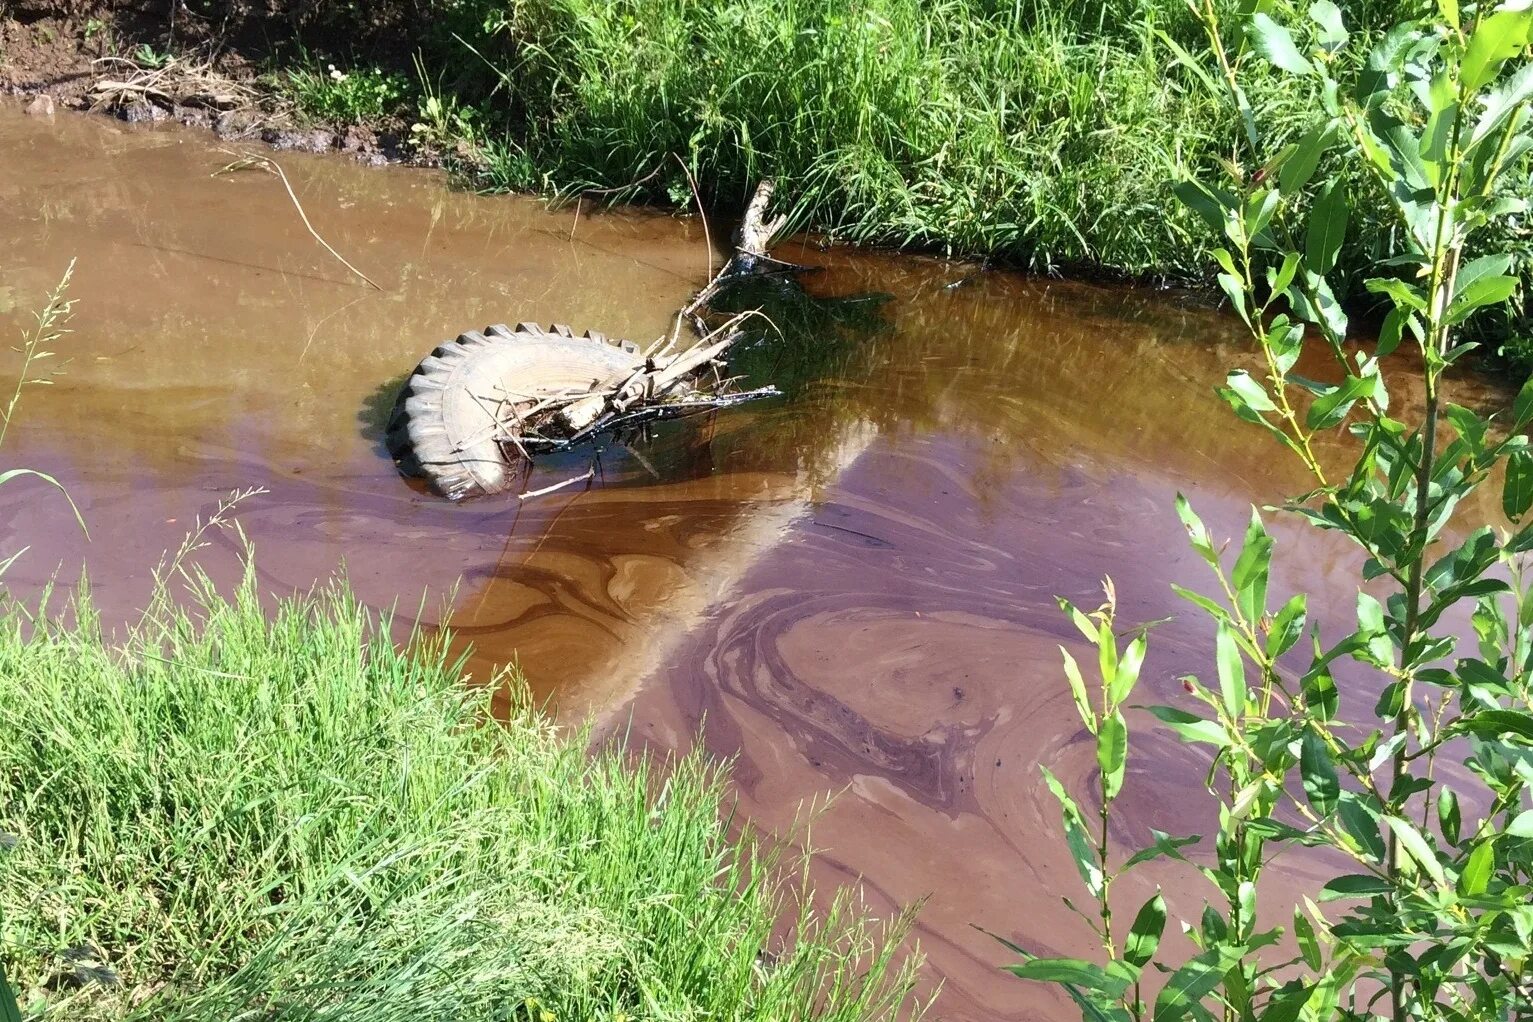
443,424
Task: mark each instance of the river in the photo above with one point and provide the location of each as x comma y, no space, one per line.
849,592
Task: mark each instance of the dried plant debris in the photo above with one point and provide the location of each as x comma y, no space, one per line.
167,84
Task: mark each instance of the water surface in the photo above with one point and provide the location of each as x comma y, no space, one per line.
849,592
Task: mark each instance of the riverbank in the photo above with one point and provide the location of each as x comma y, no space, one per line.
239,809
1044,136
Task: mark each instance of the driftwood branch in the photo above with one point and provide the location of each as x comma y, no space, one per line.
756,232
672,381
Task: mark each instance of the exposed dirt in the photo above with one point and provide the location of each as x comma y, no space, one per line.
206,72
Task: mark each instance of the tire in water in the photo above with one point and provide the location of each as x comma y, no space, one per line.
443,427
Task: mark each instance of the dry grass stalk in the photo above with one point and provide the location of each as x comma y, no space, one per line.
177,81
271,166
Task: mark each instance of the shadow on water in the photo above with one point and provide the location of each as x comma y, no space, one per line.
794,335
377,407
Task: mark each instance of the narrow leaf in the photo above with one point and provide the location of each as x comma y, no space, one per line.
1112,752
1517,491
1496,39
1232,671
1354,885
1145,933
1187,987
1318,774
1327,230
1417,847
1477,869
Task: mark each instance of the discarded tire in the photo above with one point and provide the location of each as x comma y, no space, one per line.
446,426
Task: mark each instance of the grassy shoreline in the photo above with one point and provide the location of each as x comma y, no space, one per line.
1042,134
279,816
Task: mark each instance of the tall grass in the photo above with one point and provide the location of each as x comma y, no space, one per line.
248,815
1046,133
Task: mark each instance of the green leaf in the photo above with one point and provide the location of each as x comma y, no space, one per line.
1275,43
1331,407
9,1010
1185,990
1251,571
1250,391
1501,103
1073,971
1483,292
1478,269
1112,752
1320,693
1127,674
1333,33
1300,167
1354,885
1327,229
1309,944
1475,877
1496,39
1522,407
1165,847
1197,532
1232,671
1189,727
1145,933
1078,691
1360,822
1496,724
1393,331
1405,295
1522,826
1209,204
1417,847
1318,774
1449,818
1287,626
1517,491
1235,291
1081,848
1449,9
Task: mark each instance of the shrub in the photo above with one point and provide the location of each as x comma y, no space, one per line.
1431,917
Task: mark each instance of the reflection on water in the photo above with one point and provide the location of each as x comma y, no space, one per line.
848,590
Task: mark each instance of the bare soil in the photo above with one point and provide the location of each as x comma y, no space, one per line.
74,50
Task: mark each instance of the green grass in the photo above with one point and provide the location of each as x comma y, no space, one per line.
329,95
1043,133
278,816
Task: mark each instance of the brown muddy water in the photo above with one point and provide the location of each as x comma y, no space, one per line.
849,592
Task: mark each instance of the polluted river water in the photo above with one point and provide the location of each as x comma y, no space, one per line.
849,592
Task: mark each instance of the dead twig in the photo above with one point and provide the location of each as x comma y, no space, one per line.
702,214
271,166
528,495
176,81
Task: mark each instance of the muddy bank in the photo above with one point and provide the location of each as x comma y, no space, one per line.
218,70
848,591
